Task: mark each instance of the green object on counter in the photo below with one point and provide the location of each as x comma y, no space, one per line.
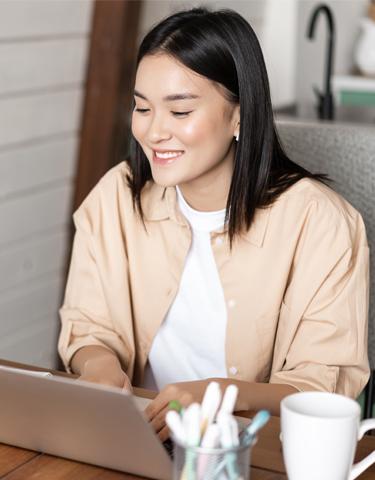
348,97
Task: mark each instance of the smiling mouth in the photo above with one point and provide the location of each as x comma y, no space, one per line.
166,157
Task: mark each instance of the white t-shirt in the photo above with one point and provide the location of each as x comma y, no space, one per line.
190,344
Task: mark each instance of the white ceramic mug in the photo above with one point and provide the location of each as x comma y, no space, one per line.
319,434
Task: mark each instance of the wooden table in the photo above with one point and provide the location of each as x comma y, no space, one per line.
267,463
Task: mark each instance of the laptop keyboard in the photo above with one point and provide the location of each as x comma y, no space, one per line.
168,445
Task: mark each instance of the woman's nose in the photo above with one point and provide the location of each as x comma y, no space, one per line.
158,130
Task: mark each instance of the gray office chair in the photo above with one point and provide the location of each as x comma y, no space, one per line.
347,154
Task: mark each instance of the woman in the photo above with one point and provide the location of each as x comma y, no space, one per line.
210,254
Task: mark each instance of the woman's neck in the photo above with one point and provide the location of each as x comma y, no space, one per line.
209,192
204,200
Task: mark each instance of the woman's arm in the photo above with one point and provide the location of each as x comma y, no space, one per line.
99,365
91,343
255,396
252,396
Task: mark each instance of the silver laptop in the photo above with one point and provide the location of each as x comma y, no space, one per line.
80,421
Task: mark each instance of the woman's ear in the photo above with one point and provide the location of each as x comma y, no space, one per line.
236,121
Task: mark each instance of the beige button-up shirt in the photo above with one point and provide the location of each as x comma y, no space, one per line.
295,285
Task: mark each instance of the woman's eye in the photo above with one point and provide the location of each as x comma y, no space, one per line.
141,110
181,114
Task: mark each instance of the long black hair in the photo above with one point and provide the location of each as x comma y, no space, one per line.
222,46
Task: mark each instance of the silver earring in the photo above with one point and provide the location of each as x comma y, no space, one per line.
237,137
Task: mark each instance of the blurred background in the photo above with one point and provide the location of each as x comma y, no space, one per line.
66,73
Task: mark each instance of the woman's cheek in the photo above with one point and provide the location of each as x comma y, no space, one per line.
195,131
134,127
138,127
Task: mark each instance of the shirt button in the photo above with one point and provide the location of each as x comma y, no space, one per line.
231,303
219,241
233,370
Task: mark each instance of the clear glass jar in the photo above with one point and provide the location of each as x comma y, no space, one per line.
198,463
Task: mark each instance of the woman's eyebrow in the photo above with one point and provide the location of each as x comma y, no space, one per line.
180,96
171,98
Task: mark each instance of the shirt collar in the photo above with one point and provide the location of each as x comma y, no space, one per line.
160,203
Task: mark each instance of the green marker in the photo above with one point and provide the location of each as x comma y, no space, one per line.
175,405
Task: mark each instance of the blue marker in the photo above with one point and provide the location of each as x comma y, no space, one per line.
247,435
258,422
229,439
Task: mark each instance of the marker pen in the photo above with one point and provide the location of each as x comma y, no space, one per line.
191,424
210,404
175,405
211,439
174,423
228,440
229,399
258,422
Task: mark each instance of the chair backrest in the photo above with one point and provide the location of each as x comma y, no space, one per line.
347,154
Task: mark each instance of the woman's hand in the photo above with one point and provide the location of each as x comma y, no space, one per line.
251,397
105,371
185,392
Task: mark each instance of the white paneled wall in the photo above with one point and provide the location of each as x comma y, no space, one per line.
38,116
154,10
31,65
33,19
43,56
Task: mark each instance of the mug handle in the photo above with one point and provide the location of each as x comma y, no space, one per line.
361,466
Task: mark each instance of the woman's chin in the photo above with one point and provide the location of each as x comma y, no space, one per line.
166,179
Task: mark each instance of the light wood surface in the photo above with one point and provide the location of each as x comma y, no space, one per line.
266,457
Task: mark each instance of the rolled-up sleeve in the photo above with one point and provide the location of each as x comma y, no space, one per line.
322,332
85,317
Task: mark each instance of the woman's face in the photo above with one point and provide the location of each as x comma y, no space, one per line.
184,124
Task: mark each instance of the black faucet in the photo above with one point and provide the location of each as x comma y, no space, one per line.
326,108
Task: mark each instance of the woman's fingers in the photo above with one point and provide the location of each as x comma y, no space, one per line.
158,422
186,399
164,434
170,392
158,415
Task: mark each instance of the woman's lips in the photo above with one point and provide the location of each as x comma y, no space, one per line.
166,157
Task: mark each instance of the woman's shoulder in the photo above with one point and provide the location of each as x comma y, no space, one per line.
110,197
115,179
310,203
108,185
308,191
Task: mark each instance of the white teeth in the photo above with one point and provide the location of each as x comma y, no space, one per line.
166,155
